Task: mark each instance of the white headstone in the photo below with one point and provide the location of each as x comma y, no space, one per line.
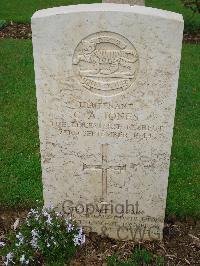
106,95
130,2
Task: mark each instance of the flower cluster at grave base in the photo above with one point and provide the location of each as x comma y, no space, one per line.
45,237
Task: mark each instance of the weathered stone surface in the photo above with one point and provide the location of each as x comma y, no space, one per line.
130,2
106,95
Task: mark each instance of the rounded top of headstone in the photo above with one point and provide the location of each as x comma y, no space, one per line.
106,8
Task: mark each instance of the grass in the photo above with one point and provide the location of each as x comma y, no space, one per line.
184,181
20,173
22,10
140,256
192,21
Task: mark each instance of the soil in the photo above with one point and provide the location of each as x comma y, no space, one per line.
23,31
180,246
16,31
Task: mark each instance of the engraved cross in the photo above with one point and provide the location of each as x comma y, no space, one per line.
104,167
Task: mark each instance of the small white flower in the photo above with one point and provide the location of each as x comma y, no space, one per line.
9,258
70,227
34,241
45,213
49,207
27,222
2,244
37,216
49,219
20,237
76,241
33,211
22,259
59,214
34,233
80,238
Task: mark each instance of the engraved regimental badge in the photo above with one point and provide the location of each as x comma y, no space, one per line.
106,63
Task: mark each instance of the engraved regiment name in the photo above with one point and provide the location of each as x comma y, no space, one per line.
106,63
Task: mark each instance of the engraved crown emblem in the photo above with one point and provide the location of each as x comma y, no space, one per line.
106,63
